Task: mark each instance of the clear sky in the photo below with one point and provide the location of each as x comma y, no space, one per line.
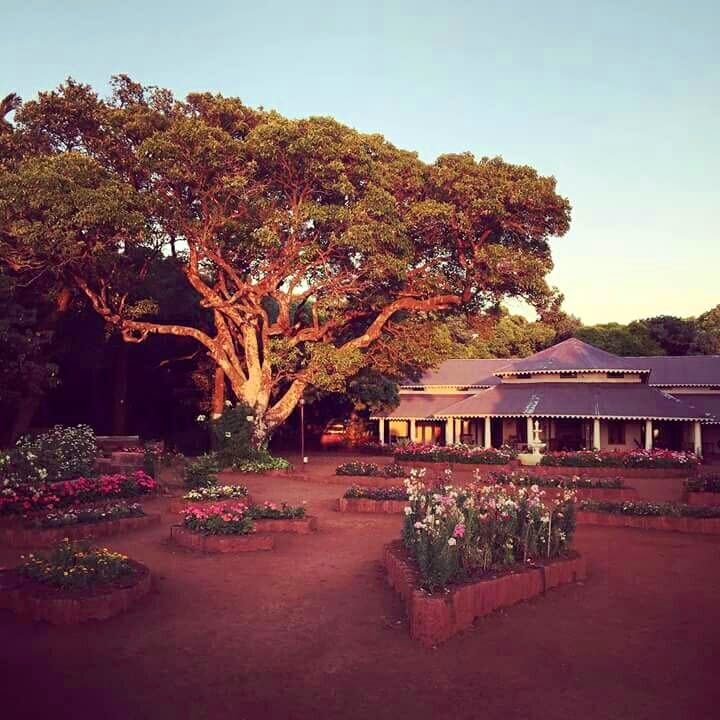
620,101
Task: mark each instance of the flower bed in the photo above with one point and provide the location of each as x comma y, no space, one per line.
362,469
382,500
73,584
652,516
586,488
655,459
703,490
220,543
27,498
435,618
75,525
462,454
211,494
460,534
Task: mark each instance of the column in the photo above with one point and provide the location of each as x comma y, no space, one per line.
529,429
648,434
449,439
596,434
697,438
381,430
412,430
487,436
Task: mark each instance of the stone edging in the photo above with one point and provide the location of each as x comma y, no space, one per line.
21,537
366,505
220,543
435,618
705,526
704,499
35,603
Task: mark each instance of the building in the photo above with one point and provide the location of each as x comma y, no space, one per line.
582,397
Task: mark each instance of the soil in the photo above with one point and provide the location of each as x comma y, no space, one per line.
312,631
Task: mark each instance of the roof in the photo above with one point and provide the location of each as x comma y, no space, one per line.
681,371
421,406
589,400
706,404
474,372
572,355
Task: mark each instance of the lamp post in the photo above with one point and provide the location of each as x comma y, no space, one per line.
302,430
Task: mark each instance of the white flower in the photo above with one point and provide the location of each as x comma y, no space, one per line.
408,510
452,541
201,418
228,434
228,403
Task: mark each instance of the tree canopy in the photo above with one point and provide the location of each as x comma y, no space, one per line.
306,243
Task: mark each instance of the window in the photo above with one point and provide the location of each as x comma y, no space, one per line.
616,432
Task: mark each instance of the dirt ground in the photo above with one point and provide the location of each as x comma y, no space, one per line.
311,630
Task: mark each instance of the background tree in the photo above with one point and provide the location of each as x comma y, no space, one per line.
619,339
272,215
707,340
676,336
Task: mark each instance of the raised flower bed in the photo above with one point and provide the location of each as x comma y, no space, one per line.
586,488
703,491
73,584
211,494
674,517
79,523
271,517
661,463
30,498
381,500
469,551
460,454
363,469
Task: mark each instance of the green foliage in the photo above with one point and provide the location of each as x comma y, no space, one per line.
260,462
647,509
232,434
216,492
620,340
202,472
84,515
707,340
273,511
376,493
357,468
71,566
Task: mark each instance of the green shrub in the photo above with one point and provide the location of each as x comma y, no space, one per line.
646,509
376,493
261,461
357,468
201,472
232,434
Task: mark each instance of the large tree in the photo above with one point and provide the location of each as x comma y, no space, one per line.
304,240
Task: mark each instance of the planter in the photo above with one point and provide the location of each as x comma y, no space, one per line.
435,618
298,526
705,526
220,543
22,537
365,505
35,601
705,499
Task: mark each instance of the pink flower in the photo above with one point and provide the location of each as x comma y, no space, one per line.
459,530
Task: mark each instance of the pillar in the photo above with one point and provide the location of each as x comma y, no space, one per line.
529,430
449,439
487,436
381,430
697,438
596,434
648,434
412,430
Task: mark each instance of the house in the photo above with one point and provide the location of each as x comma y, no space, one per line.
582,397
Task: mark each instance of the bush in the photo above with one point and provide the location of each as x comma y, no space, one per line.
80,516
621,458
376,493
61,453
217,492
456,533
201,472
704,483
261,461
272,511
220,519
71,566
646,509
575,482
462,454
232,434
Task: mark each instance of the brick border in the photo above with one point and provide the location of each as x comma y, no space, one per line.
31,601
220,543
298,526
704,526
704,499
366,505
22,537
436,618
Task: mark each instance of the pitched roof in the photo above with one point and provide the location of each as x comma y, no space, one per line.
571,355
474,372
678,371
707,404
590,400
422,406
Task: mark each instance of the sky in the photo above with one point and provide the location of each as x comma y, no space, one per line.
618,100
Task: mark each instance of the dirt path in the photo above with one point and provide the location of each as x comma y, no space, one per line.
311,631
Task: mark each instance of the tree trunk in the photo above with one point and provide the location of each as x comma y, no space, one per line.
120,387
218,398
